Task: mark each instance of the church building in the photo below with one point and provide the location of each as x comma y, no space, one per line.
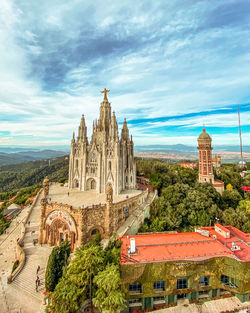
107,159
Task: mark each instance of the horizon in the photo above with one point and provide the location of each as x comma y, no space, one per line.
170,69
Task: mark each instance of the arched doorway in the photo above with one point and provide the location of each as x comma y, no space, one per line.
91,184
76,183
92,233
58,232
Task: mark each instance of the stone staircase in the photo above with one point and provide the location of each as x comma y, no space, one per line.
26,280
35,255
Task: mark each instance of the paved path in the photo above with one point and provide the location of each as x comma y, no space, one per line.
21,293
134,221
77,198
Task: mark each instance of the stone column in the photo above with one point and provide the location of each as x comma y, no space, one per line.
108,223
42,217
51,237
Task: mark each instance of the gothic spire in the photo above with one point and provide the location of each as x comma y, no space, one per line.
82,130
73,137
125,131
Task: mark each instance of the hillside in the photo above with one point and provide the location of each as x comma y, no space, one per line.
26,156
26,174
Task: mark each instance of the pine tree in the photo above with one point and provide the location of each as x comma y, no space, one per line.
109,297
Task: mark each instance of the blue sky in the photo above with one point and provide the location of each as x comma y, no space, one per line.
171,66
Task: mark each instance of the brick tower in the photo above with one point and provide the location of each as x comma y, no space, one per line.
205,158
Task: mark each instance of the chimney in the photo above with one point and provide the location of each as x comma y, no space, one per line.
132,245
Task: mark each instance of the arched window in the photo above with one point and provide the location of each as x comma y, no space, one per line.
110,165
131,179
94,232
76,163
126,179
93,184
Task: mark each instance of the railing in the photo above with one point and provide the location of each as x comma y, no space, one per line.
19,249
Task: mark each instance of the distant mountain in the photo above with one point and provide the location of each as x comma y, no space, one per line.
180,147
26,156
14,149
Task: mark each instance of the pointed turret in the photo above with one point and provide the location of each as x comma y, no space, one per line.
114,128
82,130
73,138
125,131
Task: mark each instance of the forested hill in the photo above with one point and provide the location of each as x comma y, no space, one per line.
26,174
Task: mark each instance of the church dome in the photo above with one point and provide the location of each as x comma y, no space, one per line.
204,135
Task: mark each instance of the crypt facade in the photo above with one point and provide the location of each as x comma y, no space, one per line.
106,159
69,220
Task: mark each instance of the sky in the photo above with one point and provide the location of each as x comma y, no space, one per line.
171,67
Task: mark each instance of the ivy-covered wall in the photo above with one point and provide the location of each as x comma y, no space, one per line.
147,274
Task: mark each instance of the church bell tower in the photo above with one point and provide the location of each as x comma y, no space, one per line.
205,158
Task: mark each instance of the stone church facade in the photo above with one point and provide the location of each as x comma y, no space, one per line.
107,159
59,221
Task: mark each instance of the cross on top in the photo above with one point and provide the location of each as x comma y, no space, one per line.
105,93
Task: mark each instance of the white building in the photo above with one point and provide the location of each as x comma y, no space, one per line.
107,159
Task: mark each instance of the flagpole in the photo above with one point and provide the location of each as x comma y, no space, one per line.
240,135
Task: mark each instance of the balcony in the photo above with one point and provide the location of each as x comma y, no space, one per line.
135,292
135,305
230,285
159,290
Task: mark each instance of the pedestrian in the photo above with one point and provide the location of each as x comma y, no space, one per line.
38,269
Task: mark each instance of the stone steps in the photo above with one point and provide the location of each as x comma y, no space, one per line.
26,279
35,255
32,228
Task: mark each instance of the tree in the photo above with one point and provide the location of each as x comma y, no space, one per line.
57,259
76,284
240,217
109,297
67,296
231,198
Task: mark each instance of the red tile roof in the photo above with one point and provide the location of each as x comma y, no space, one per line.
165,247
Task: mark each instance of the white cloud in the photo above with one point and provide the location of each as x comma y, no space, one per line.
163,62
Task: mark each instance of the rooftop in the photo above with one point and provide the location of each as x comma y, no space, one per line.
218,183
166,247
78,198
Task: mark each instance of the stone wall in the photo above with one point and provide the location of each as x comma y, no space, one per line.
60,221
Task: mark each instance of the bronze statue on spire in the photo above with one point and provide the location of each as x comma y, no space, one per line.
105,93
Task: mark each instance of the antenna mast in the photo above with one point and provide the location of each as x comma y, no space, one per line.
240,135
